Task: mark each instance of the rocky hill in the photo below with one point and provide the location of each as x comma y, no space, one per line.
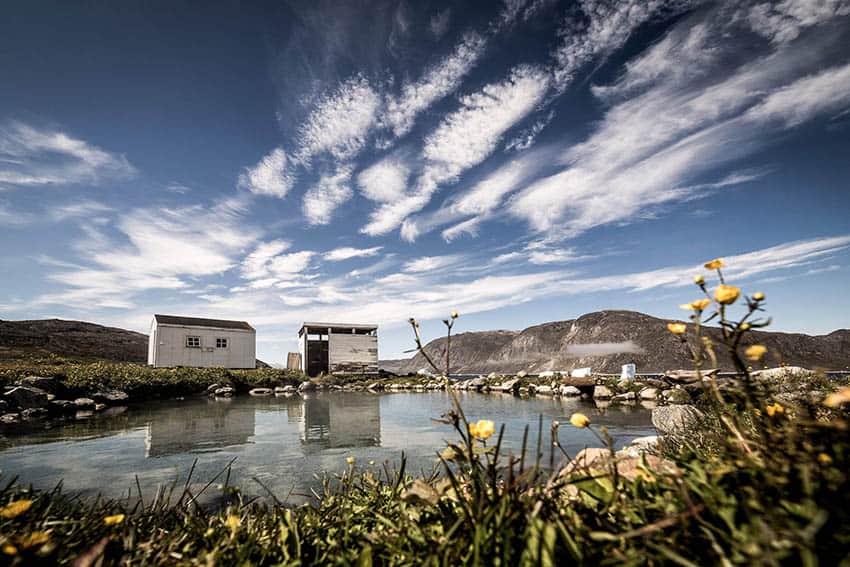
606,340
70,339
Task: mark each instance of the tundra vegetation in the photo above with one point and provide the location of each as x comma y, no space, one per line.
757,477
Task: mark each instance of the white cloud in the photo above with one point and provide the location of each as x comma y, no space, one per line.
554,256
340,122
437,82
323,198
256,264
431,263
79,209
347,252
33,157
440,22
288,265
526,138
273,176
385,181
783,21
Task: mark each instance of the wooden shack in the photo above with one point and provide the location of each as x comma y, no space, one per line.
338,348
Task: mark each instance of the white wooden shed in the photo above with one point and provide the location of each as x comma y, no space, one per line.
203,343
338,348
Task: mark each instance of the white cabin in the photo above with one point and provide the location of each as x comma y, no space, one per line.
338,348
201,343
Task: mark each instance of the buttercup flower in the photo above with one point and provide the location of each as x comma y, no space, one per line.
835,399
676,328
755,352
10,549
483,429
350,460
579,420
233,522
15,508
699,279
775,409
824,459
113,520
697,305
714,264
454,314
726,294
32,540
758,296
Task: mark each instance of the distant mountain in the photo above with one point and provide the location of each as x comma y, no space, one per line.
70,339
606,340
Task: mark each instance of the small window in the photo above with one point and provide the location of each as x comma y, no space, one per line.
221,343
193,342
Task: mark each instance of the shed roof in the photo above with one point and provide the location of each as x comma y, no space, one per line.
312,324
200,322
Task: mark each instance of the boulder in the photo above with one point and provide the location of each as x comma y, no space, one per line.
213,387
585,382
649,394
544,390
84,403
100,407
783,373
687,376
569,391
307,386
676,396
10,418
602,393
627,397
26,397
511,385
521,374
33,413
61,406
624,384
49,385
478,383
675,419
491,375
261,392
224,392
111,397
647,443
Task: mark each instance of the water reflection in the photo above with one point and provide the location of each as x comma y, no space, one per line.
282,441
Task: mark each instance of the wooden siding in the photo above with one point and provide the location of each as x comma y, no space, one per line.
353,354
169,347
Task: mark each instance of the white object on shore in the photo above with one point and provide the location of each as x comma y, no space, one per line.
580,373
628,372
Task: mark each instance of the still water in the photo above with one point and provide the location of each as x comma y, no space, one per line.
282,441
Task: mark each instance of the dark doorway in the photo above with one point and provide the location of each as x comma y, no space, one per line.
317,356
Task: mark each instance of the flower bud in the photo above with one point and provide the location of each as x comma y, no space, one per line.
698,279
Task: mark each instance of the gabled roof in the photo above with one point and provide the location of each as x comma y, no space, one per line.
199,322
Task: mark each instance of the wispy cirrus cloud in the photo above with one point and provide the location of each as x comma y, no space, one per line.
272,176
348,252
31,156
327,194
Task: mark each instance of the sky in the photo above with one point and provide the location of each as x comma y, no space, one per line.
520,162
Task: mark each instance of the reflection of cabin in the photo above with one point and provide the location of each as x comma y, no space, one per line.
199,427
338,348
193,342
340,421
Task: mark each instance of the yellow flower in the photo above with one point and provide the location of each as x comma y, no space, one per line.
697,305
699,279
775,409
755,352
233,522
757,411
10,549
676,328
835,399
350,460
824,459
113,520
758,296
454,315
714,264
726,294
483,429
32,540
371,463
15,508
579,420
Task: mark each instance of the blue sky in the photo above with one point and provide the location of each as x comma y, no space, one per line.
520,162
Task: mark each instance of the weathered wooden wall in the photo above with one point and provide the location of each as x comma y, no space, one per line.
351,353
168,348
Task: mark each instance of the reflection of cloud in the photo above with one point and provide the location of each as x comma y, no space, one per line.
604,349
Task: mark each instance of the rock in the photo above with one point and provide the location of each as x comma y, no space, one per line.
687,376
654,383
624,384
491,375
84,403
9,418
783,373
261,392
585,382
49,385
676,396
647,443
478,383
511,385
100,407
374,386
585,459
111,397
602,393
83,414
33,413
675,419
521,374
26,397
544,390
627,397
289,389
61,406
213,387
224,392
307,386
649,394
569,391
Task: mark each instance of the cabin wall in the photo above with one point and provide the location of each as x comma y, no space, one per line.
170,348
351,353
